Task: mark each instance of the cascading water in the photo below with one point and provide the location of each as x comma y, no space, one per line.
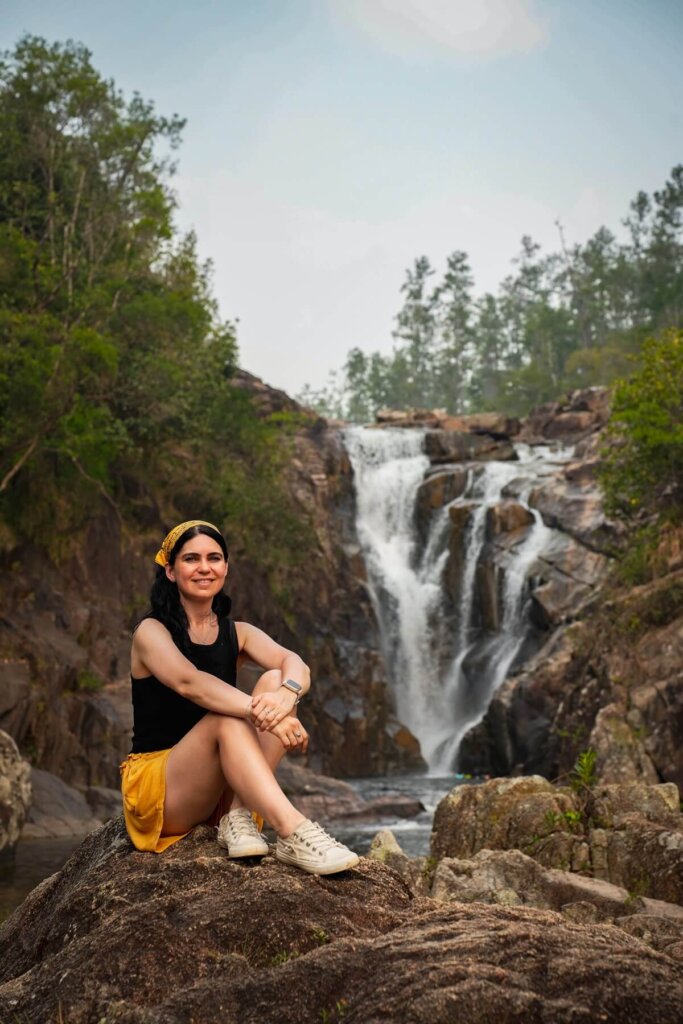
439,698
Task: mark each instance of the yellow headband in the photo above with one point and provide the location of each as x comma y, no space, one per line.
161,557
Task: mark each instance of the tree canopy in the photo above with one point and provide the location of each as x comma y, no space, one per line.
115,368
562,320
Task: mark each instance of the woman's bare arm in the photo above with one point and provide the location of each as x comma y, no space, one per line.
154,653
269,709
262,649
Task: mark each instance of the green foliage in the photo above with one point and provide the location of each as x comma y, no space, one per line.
336,1012
283,957
583,775
88,682
643,461
573,820
115,370
564,320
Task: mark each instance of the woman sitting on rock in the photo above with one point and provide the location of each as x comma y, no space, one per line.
199,744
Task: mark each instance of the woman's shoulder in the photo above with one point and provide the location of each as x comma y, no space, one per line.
149,628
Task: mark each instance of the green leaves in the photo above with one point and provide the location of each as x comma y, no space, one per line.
115,369
643,458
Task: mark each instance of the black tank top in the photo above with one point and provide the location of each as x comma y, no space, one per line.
161,717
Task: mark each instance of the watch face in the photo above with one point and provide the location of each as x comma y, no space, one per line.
291,685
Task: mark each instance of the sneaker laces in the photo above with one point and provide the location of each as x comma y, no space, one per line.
241,822
316,837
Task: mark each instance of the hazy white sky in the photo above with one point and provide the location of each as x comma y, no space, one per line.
331,142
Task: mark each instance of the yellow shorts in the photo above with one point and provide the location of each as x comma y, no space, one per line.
143,785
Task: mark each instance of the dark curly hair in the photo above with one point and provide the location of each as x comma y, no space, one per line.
164,600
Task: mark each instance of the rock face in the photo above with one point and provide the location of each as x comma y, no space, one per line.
58,809
15,795
577,416
227,941
631,836
612,681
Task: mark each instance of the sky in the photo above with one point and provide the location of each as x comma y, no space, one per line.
329,143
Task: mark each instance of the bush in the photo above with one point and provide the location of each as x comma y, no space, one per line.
643,460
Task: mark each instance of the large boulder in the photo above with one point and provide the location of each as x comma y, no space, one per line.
526,813
15,795
630,835
240,941
58,810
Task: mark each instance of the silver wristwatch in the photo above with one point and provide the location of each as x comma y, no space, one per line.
296,688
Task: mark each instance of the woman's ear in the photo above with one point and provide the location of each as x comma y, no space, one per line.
169,573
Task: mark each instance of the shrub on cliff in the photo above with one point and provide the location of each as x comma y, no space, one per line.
643,462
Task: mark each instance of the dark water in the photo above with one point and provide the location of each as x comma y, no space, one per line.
36,859
412,834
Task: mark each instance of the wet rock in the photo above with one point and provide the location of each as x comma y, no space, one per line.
15,795
574,505
57,809
15,695
507,517
254,942
439,489
625,658
452,446
495,424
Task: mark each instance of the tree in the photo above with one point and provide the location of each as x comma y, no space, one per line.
454,303
643,460
114,363
413,381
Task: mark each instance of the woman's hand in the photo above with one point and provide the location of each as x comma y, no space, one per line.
291,734
269,709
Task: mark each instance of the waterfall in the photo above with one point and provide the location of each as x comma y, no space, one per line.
443,672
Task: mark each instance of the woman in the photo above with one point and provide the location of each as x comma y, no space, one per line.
199,743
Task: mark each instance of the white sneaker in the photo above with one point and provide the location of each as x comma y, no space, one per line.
238,834
310,848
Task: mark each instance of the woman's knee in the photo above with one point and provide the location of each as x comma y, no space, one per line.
269,681
226,725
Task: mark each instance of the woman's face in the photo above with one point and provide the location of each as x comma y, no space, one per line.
199,569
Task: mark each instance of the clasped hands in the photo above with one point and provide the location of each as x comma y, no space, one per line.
272,712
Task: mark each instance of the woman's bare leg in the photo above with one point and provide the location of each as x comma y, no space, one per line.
271,746
222,750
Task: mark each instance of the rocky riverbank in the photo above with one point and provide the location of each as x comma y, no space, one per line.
476,933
